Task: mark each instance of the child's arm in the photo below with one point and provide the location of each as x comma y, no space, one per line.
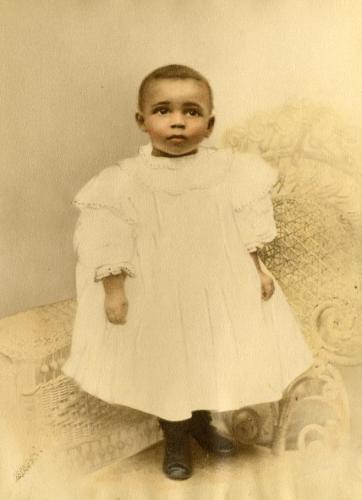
115,301
267,283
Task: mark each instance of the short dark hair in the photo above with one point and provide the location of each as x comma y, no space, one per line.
173,71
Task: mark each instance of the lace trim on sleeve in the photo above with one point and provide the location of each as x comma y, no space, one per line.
256,223
118,211
111,189
262,240
114,270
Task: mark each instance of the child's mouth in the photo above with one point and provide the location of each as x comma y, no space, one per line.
176,138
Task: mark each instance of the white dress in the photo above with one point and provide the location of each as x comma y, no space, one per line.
198,335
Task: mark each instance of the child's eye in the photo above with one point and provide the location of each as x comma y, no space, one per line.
161,111
193,112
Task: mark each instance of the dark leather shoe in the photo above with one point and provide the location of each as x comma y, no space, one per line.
208,436
177,462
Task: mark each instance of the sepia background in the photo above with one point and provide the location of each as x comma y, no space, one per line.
70,71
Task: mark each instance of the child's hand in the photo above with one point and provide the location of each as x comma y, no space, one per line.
116,306
267,285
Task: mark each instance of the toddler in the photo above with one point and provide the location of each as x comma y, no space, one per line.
176,314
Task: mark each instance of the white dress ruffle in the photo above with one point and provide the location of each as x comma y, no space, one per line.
198,335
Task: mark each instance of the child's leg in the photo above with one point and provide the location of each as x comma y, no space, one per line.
208,436
177,463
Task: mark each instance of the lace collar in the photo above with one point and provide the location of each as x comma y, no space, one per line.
171,163
178,175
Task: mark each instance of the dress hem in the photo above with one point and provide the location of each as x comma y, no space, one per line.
277,396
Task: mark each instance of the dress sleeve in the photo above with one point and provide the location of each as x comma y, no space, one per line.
252,202
104,238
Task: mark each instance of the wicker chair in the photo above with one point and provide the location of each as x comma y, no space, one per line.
83,430
314,258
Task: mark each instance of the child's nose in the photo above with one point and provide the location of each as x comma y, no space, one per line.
178,120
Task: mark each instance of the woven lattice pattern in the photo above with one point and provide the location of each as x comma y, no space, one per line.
316,262
37,332
87,430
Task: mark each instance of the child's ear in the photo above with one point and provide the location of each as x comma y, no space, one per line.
140,121
210,125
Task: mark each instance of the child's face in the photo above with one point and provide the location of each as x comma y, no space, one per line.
176,115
